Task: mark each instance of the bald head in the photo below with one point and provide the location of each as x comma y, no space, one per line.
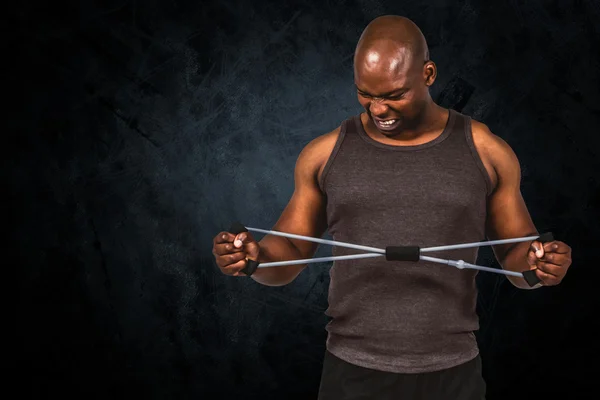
393,74
391,42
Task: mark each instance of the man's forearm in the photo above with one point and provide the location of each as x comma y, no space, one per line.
516,260
277,248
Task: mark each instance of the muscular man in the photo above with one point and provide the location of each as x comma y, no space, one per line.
406,171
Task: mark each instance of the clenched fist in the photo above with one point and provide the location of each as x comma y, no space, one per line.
551,261
231,251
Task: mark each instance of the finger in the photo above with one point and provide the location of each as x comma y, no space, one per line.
235,269
558,259
225,248
550,269
242,238
230,259
537,248
239,239
547,279
557,247
532,254
531,258
224,237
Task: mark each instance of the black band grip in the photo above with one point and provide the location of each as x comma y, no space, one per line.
251,265
530,277
236,228
402,253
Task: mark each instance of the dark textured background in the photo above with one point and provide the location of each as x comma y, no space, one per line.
139,129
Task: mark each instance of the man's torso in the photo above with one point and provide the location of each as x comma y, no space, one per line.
378,196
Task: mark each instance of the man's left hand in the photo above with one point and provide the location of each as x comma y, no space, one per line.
551,261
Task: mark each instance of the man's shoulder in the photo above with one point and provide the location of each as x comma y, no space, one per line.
496,152
321,145
483,134
489,144
316,152
325,139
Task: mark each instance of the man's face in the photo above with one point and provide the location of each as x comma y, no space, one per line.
392,91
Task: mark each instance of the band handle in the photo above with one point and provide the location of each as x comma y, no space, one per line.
251,265
402,253
530,276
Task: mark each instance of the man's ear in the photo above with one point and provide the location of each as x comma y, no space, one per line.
429,72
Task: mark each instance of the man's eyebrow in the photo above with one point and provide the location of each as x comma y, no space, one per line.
383,94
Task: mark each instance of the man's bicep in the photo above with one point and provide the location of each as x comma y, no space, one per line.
508,216
305,212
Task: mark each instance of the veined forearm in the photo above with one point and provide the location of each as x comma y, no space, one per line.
516,260
277,248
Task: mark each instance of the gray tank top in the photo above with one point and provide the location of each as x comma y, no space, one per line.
397,316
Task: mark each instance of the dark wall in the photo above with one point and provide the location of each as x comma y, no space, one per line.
142,129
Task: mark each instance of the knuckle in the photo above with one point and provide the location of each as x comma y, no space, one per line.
543,268
225,271
226,260
232,269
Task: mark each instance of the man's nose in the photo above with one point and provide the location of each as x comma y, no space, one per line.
378,106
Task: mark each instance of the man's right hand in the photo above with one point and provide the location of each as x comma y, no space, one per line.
305,214
231,251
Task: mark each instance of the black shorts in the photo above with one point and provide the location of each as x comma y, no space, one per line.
343,381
